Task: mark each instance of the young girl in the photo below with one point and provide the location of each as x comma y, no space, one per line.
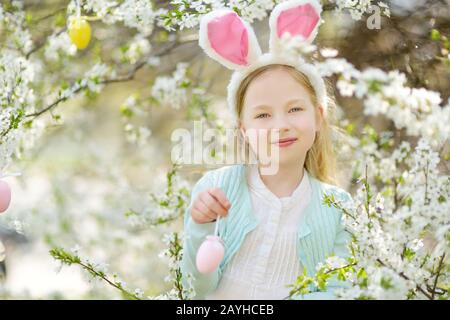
274,224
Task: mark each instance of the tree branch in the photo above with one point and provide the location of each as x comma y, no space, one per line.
401,274
437,275
50,15
127,77
43,41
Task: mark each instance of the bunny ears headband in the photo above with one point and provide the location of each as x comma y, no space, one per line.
231,41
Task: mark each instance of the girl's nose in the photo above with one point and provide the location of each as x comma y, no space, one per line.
281,123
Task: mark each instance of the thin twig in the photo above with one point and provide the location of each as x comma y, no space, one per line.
50,15
401,274
437,275
43,42
102,276
127,77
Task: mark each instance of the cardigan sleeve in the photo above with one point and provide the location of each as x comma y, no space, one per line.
340,249
194,234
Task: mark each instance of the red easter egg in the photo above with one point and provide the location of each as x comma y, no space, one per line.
5,196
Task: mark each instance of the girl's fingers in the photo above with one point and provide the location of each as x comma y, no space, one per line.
213,204
202,211
220,196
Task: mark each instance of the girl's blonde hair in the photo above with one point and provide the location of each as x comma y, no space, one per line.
320,160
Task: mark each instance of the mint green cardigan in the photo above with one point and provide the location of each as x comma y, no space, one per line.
320,235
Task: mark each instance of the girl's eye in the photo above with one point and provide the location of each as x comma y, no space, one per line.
262,115
296,109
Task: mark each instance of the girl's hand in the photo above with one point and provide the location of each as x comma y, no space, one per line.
210,204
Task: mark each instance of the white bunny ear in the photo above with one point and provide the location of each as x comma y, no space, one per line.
228,39
297,17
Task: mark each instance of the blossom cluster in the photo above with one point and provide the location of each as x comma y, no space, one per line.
187,14
16,98
166,206
174,254
400,233
136,14
96,270
417,110
358,8
173,90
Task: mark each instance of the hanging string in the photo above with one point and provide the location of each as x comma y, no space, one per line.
78,12
217,227
78,8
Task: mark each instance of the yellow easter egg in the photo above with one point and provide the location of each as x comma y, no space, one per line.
79,32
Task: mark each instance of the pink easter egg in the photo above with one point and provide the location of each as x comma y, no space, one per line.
210,254
5,196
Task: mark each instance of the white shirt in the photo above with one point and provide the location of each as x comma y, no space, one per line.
267,260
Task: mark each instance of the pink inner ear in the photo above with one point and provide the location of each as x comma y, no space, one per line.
229,38
300,20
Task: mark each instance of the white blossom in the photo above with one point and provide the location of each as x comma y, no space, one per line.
138,47
358,8
59,44
172,91
249,11
419,111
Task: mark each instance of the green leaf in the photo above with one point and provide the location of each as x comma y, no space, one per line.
28,18
350,128
408,201
28,124
60,20
361,274
341,275
386,283
125,111
435,35
408,253
375,86
447,156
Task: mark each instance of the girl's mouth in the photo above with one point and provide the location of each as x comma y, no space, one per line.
286,142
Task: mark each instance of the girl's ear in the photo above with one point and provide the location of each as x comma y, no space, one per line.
319,117
228,39
296,17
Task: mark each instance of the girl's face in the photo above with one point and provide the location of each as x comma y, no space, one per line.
279,109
